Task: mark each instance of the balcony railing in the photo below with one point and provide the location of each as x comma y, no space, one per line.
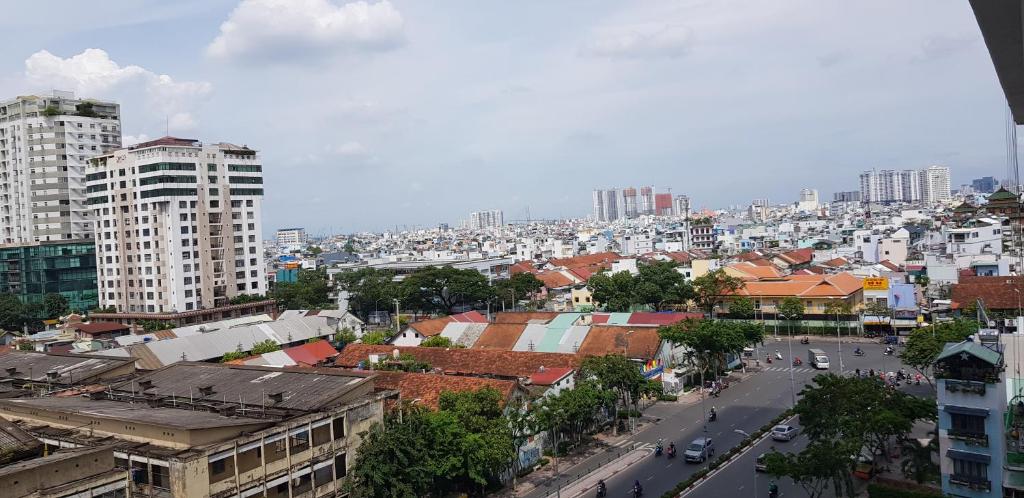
970,437
972,482
1014,460
965,386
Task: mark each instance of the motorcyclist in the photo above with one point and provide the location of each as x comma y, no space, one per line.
660,446
858,351
602,490
637,488
671,449
773,490
712,415
778,355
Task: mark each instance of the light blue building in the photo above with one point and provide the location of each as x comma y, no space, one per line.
972,402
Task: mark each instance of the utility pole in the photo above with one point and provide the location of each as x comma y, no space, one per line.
398,321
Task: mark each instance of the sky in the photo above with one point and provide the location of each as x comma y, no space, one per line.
375,114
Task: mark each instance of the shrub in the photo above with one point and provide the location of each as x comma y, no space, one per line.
668,397
376,337
437,341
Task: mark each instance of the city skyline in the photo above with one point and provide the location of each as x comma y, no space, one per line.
625,94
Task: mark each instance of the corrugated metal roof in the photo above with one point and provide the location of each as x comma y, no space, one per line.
531,337
572,339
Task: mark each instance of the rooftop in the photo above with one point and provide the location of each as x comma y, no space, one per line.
130,412
61,368
426,388
485,362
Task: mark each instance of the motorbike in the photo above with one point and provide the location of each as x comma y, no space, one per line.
797,362
778,355
858,352
671,451
638,491
768,359
805,340
657,450
889,351
712,416
602,490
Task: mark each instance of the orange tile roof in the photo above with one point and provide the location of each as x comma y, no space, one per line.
524,316
500,336
798,256
805,285
585,259
756,272
554,279
425,388
634,342
434,326
485,362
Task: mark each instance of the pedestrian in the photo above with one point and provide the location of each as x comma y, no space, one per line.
858,373
872,372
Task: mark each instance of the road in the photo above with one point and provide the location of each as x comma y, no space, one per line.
744,406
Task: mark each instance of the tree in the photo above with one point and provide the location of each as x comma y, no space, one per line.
742,307
247,298
376,337
617,374
443,288
267,346
345,336
659,285
820,465
918,464
612,292
712,288
791,308
311,290
349,248
315,250
925,344
395,458
232,356
368,289
569,414
876,308
711,340
437,341
152,325
55,305
13,314
519,286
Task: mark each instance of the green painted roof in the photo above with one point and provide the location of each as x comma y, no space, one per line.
972,348
1001,195
619,318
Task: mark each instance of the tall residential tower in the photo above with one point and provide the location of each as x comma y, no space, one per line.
178,225
45,142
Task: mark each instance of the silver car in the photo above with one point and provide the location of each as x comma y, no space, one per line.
784,432
699,450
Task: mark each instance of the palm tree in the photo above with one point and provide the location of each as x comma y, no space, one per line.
917,463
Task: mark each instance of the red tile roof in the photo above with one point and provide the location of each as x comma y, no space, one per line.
634,342
890,265
549,375
554,279
312,354
426,388
798,256
484,362
805,285
996,292
586,260
524,316
93,328
434,326
501,336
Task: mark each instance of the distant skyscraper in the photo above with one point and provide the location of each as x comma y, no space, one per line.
851,196
291,238
608,205
646,201
910,185
663,204
178,225
45,142
985,185
486,219
927,185
808,200
682,206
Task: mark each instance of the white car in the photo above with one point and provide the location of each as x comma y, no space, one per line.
784,432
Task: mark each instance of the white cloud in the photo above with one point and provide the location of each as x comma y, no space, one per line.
652,40
93,74
349,149
290,28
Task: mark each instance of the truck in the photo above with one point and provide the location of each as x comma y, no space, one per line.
818,358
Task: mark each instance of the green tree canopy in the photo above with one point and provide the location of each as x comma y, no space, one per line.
369,289
266,346
659,285
792,308
612,292
437,341
876,308
310,291
711,340
519,287
712,287
345,336
614,373
925,344
55,305
444,287
376,337
13,313
741,307
821,465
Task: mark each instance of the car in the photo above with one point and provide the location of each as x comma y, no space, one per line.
699,450
784,432
761,463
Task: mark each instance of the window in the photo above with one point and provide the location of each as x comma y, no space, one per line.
969,471
339,466
322,476
962,424
339,428
299,442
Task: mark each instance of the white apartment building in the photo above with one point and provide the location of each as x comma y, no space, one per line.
45,143
486,219
935,184
291,239
808,200
178,225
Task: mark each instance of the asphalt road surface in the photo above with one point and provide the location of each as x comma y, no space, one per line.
744,406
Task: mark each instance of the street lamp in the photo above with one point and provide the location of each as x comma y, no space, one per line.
703,392
792,382
398,317
839,337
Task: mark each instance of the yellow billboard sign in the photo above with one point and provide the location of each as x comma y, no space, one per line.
876,283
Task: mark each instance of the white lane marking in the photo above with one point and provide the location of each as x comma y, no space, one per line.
669,465
652,477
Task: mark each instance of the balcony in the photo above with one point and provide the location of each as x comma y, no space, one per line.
969,437
972,482
965,386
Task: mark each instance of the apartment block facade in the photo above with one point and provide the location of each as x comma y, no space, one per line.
45,143
928,185
486,219
178,225
30,271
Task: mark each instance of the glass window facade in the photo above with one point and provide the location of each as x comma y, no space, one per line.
68,269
